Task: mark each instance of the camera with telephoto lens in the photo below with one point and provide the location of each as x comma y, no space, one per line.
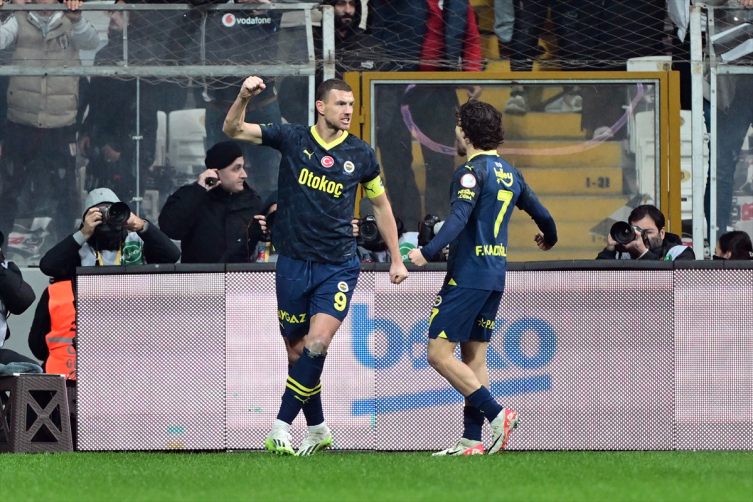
426,230
367,229
624,233
116,214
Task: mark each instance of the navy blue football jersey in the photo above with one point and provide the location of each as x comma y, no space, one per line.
478,257
317,188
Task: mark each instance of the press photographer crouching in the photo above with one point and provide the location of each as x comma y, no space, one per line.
216,219
643,237
110,234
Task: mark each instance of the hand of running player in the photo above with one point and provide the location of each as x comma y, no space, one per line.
416,257
540,242
251,87
398,272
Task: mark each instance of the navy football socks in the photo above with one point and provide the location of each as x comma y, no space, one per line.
303,383
483,401
473,421
313,411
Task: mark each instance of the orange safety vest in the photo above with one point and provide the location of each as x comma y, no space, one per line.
62,359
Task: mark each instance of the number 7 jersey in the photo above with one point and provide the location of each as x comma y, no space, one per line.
478,257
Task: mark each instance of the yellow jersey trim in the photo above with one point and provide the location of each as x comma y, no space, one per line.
374,188
442,335
452,283
328,146
487,152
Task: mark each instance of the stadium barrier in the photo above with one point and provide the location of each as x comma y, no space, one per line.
597,355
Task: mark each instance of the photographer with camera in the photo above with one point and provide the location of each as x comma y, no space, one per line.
15,297
218,218
643,237
110,234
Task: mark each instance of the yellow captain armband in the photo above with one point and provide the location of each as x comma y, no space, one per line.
374,188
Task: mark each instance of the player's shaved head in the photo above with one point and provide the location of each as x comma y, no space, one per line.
482,125
333,84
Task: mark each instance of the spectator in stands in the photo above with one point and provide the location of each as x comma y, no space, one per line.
530,16
400,27
590,35
734,246
652,241
217,219
15,297
106,138
355,50
426,36
234,38
40,141
734,115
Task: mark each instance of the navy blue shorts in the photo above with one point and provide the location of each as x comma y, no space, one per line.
463,314
307,288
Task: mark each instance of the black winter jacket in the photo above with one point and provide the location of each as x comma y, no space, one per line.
212,224
15,294
61,261
657,253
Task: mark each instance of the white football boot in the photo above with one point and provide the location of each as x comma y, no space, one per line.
463,447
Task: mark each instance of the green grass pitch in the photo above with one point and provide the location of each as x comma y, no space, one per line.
514,476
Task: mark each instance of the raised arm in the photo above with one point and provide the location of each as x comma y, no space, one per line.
235,125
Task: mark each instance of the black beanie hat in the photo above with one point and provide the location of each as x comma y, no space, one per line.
222,154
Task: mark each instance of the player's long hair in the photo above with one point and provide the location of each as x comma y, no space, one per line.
482,124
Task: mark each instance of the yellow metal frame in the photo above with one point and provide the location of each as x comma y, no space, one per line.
668,107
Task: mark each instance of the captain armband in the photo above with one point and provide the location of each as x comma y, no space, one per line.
374,188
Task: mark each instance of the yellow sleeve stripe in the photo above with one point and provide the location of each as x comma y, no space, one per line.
374,188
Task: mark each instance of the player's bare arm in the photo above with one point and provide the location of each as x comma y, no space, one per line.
235,125
386,223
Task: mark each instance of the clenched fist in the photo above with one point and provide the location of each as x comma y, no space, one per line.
251,87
